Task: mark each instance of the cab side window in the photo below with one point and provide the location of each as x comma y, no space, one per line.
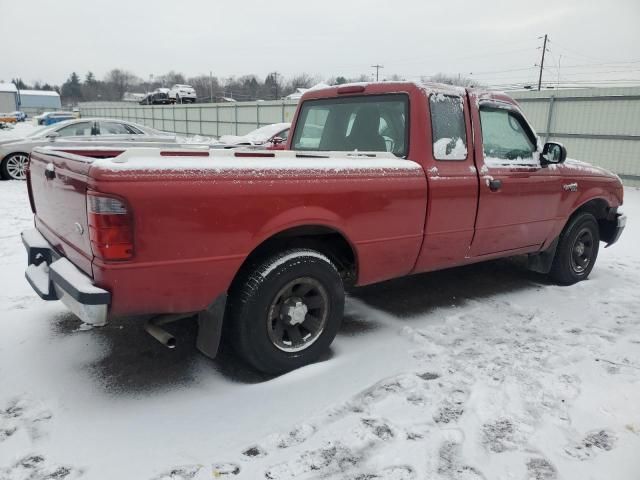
81,129
505,136
448,127
113,128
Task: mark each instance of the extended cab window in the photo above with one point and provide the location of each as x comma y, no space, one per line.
371,123
505,136
448,127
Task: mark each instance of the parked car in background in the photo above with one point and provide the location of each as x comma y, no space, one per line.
160,96
8,118
49,118
182,94
20,116
14,153
269,137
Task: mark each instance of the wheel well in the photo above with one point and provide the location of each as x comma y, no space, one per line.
604,214
13,153
323,239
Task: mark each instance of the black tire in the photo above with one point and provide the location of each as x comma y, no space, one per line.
266,307
577,250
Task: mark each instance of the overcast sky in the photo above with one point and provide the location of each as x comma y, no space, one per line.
494,41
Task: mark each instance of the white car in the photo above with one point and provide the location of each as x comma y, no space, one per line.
14,152
182,94
271,137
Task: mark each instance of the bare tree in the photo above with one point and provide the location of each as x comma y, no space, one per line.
205,86
170,78
458,80
119,81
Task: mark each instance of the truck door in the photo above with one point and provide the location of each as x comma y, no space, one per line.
453,183
518,199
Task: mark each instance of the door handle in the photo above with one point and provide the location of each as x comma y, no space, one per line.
49,172
495,185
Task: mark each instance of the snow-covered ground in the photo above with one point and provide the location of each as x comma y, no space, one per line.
482,372
18,130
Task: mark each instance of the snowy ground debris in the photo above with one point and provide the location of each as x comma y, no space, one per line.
483,372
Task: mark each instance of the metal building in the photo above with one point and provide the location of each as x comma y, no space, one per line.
34,102
8,98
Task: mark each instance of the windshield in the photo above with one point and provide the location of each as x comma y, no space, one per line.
371,123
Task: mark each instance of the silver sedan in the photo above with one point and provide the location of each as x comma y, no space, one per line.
14,153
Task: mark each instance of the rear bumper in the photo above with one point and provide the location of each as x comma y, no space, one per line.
55,278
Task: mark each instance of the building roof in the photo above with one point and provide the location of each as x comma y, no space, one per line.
50,93
8,87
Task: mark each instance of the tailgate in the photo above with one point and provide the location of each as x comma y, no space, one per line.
58,183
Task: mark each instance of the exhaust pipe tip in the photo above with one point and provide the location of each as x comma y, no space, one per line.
153,328
160,334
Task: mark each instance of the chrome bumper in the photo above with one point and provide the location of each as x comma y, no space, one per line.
55,278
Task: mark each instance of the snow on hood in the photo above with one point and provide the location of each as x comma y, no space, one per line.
584,168
261,135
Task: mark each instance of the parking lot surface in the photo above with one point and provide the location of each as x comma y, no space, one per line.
482,372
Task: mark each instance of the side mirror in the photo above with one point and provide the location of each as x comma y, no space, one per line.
52,136
553,153
277,140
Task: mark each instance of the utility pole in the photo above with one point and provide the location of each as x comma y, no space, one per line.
544,49
275,80
210,86
377,67
558,84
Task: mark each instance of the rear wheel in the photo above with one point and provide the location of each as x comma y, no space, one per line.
577,250
285,311
14,166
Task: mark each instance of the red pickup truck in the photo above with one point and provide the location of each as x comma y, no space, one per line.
379,181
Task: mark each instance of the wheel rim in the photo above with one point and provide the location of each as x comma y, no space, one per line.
17,166
298,315
582,251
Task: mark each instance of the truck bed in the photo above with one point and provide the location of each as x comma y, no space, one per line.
198,214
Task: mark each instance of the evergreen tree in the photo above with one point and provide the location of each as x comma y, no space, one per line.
71,89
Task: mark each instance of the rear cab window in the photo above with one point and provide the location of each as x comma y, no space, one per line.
366,123
448,127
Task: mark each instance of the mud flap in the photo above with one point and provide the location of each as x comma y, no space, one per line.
210,327
542,262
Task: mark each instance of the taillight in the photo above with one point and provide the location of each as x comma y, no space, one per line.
110,227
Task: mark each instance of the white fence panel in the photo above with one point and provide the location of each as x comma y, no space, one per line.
600,125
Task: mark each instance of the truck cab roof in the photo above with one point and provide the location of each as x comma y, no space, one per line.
377,88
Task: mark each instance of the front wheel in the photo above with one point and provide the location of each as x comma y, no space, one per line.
577,250
14,166
285,311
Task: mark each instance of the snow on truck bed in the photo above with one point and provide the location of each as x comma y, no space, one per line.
141,159
482,372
